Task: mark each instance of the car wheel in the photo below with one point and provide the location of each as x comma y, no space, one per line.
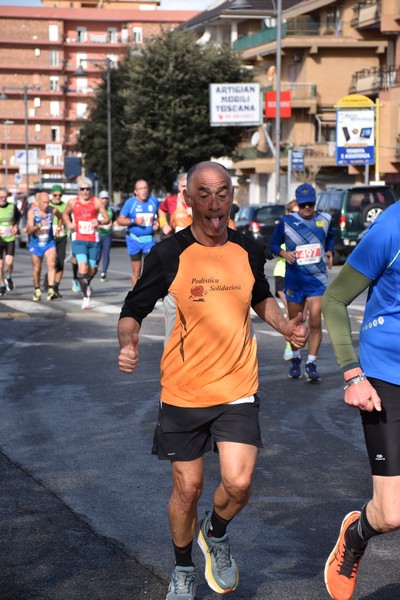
370,213
337,258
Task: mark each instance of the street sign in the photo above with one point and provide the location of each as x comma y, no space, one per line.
297,160
235,104
33,169
53,149
20,156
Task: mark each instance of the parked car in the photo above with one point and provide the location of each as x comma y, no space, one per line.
118,231
258,221
353,209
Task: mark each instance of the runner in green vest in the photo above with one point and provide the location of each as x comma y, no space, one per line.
9,219
61,240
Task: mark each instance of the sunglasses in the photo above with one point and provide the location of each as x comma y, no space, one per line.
57,195
304,204
85,189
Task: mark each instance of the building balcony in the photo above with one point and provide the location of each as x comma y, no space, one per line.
297,27
367,12
302,95
374,80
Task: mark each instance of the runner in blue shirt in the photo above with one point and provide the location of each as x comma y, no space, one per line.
371,384
309,242
140,215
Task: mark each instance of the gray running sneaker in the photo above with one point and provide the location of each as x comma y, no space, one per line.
183,584
221,571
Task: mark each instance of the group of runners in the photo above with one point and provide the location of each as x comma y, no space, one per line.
87,221
209,276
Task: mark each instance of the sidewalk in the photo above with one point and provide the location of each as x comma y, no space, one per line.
48,553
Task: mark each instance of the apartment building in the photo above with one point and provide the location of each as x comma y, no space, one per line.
52,60
329,49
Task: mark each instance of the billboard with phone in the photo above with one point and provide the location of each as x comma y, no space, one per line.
355,136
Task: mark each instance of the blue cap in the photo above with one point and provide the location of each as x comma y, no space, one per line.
305,193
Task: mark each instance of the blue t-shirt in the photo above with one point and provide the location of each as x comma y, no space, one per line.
298,234
377,257
134,208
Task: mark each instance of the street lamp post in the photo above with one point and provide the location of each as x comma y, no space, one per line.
81,72
5,123
278,102
3,96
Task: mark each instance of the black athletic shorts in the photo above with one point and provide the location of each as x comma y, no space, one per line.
187,433
382,430
7,248
61,248
279,284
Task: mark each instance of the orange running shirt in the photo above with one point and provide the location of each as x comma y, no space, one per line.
210,350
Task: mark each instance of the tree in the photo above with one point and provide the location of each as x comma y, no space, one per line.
160,106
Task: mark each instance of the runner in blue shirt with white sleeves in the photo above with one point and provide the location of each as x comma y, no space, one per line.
309,242
140,215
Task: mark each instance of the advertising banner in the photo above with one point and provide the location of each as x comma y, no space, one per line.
355,136
235,104
270,105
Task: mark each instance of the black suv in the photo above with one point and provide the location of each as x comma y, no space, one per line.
353,209
258,221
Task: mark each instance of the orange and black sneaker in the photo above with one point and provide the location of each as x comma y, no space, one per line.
342,565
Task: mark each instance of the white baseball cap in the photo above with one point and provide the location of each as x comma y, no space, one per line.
103,194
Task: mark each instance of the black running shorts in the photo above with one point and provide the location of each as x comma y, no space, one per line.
382,430
279,285
7,248
187,433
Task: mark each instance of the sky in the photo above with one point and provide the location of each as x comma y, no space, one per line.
165,4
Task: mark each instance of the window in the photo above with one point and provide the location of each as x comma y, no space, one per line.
53,33
54,58
124,33
55,134
112,35
36,102
54,108
54,83
333,20
81,34
38,128
81,110
137,35
81,85
113,58
81,60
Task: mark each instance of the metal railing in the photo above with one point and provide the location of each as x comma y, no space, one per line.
298,91
295,27
375,79
366,10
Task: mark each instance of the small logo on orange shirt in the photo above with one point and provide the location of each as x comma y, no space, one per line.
197,293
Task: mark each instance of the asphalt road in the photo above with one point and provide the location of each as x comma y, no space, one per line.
83,504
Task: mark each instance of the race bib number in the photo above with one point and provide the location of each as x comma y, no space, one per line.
5,230
85,227
308,254
147,219
43,235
